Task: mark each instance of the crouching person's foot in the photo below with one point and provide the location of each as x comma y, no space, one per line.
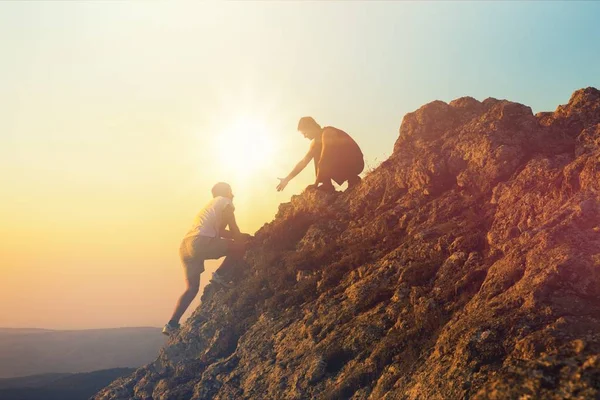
354,182
326,187
216,278
170,328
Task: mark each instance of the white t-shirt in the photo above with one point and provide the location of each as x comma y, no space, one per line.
209,219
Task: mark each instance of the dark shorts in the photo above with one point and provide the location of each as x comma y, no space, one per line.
195,249
341,158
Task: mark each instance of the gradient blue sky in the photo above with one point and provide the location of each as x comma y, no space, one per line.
109,113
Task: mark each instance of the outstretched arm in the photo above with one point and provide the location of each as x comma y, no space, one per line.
297,169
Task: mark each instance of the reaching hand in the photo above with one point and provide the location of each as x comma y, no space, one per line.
282,184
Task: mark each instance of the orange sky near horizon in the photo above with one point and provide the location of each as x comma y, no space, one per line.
118,125
93,241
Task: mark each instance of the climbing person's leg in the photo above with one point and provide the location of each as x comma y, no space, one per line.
341,159
345,167
193,266
354,181
234,251
355,167
192,281
324,172
327,164
326,185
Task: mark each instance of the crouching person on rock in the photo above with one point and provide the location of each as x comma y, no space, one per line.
336,157
208,239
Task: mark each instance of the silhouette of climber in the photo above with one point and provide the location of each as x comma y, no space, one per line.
209,240
336,156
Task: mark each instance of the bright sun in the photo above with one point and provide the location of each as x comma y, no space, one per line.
245,146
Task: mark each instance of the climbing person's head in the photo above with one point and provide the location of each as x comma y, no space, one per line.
309,127
222,189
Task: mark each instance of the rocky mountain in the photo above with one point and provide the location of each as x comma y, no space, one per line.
467,265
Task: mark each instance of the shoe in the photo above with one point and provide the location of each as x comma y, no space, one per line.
328,188
354,182
216,278
170,329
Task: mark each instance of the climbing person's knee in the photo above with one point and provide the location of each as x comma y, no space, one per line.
193,289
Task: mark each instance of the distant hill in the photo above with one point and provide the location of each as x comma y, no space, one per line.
30,381
25,352
59,386
24,330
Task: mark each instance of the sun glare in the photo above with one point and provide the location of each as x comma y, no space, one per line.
245,147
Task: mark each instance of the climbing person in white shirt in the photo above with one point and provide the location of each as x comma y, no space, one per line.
208,239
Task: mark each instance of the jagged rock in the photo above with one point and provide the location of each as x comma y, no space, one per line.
467,265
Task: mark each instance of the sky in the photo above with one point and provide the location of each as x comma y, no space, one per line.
116,118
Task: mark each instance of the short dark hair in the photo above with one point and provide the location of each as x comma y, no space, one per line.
307,123
220,189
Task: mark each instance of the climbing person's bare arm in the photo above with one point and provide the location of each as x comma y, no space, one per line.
297,169
229,220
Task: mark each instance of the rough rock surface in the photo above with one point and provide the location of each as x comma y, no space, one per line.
467,265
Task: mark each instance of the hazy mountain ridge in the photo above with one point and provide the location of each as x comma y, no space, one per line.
58,386
467,265
30,381
26,352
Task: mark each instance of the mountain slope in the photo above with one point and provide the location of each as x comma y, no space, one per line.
467,265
